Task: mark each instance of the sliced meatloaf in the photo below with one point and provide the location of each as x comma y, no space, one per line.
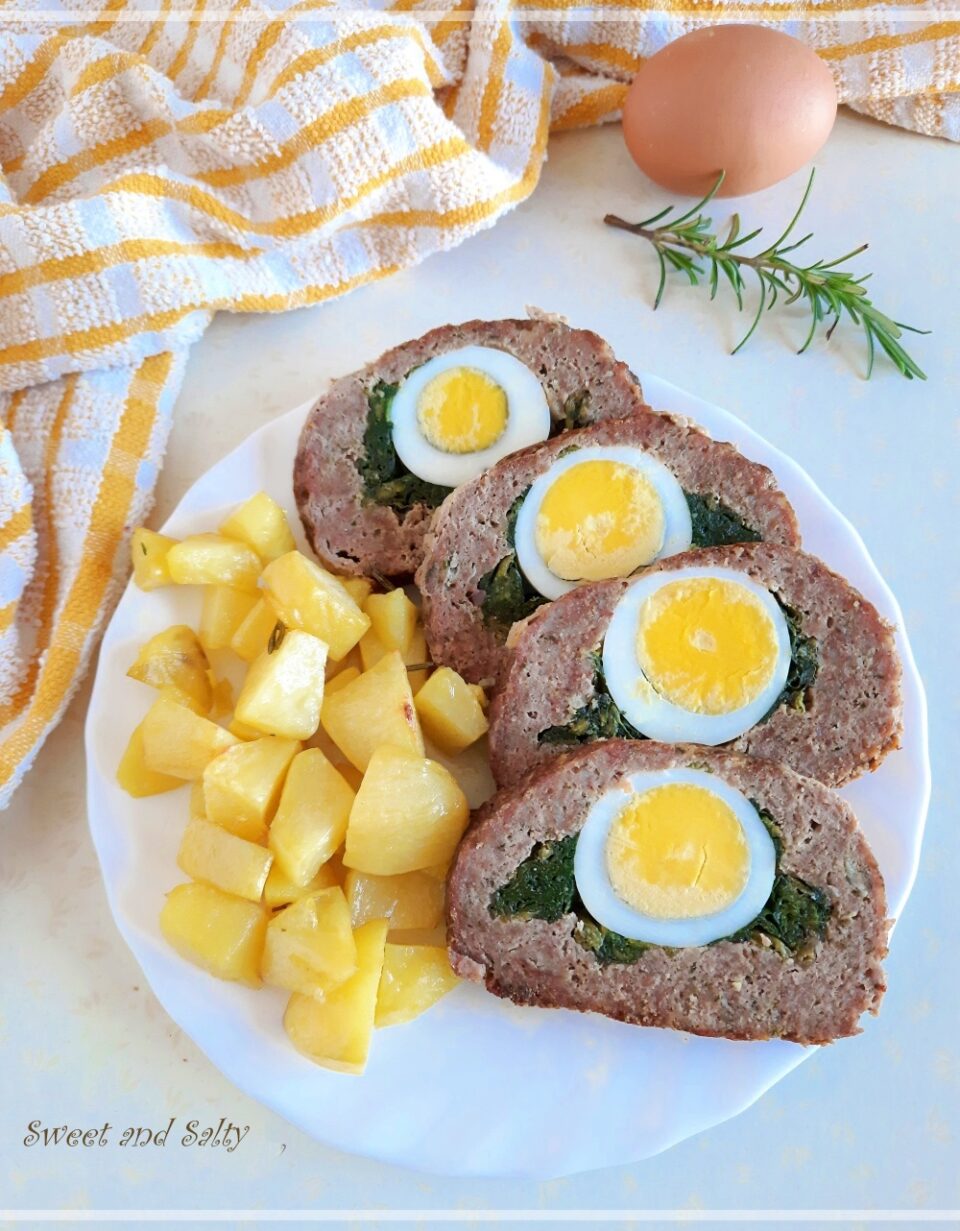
751,988
837,727
470,538
354,530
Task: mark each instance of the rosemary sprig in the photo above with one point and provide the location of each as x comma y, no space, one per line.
688,245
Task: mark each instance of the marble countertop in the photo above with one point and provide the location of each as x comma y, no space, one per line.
869,1123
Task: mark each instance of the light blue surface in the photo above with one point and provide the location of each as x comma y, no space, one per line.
871,1122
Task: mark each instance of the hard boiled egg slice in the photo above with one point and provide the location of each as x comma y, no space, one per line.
596,513
457,414
696,654
674,857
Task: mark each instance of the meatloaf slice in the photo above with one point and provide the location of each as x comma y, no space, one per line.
470,535
739,989
352,533
843,724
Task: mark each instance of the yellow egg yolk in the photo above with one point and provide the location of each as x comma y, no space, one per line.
462,411
676,852
597,520
706,644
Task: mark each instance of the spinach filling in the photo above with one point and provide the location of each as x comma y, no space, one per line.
714,525
385,479
600,717
543,886
507,595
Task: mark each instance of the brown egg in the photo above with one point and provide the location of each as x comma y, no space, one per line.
753,102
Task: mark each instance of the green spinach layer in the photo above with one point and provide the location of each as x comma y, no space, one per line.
543,886
386,480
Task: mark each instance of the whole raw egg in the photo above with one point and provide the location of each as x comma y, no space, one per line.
750,101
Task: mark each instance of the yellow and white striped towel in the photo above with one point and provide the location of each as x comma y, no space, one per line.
162,160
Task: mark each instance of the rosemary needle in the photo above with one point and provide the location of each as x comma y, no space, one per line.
687,245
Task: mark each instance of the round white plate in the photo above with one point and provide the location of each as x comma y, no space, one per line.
476,1086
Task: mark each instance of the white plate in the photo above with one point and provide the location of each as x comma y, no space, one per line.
476,1086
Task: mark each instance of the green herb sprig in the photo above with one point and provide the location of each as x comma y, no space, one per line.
688,245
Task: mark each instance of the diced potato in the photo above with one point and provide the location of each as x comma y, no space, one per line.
371,649
281,891
408,814
341,680
336,1031
148,552
393,617
414,977
212,560
480,693
377,708
241,787
222,697
358,588
307,597
223,610
450,713
209,853
180,743
311,819
411,900
283,691
221,933
242,731
136,777
414,657
310,946
261,524
434,937
253,633
174,660
350,661
198,806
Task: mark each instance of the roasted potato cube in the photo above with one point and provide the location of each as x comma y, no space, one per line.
253,633
215,930
222,697
358,588
283,691
212,560
342,678
411,900
311,819
178,742
414,977
417,654
307,597
310,946
449,711
198,805
377,708
261,524
174,661
408,814
281,891
393,618
209,853
482,699
371,649
242,731
148,553
222,612
336,1031
136,777
241,787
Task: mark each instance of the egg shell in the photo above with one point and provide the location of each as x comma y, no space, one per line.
750,101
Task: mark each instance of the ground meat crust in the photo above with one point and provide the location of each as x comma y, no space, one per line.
357,538
468,535
736,990
853,714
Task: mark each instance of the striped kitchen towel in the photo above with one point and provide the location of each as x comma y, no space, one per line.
165,159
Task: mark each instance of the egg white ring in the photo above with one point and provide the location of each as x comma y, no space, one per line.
678,528
609,910
662,719
528,416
